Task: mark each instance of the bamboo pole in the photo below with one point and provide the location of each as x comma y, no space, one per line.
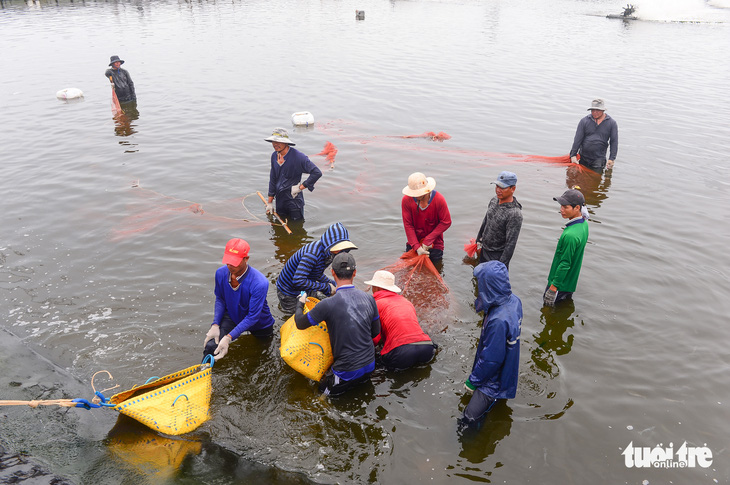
274,212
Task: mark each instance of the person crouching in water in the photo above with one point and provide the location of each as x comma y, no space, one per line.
404,342
352,322
496,363
240,301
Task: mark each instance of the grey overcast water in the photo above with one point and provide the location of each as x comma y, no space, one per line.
111,230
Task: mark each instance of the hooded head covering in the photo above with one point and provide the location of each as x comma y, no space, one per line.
493,285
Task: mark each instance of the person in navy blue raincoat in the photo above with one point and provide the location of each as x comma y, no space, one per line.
285,179
496,364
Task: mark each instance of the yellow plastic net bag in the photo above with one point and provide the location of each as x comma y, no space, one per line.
306,351
175,404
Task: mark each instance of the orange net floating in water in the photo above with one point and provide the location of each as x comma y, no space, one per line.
440,136
423,286
328,152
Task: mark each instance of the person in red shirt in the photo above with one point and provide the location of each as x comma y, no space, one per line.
404,342
425,216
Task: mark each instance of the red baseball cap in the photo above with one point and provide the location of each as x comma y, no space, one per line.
236,250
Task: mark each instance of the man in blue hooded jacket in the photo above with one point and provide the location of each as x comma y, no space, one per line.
496,364
304,271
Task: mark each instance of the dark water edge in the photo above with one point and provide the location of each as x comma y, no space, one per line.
15,468
59,446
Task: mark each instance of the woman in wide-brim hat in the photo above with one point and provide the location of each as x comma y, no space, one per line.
419,185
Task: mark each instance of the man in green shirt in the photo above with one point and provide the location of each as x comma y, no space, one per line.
563,277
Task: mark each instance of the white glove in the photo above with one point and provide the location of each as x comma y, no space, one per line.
609,164
303,297
333,288
479,247
295,190
549,297
213,334
422,250
573,159
269,207
222,348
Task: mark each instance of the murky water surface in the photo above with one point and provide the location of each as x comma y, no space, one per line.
112,230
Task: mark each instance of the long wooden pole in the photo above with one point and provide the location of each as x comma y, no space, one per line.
275,214
68,403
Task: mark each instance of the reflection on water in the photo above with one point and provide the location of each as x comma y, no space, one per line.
286,244
593,185
552,341
480,441
124,122
141,455
150,454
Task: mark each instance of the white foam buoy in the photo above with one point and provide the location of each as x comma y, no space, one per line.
70,93
302,118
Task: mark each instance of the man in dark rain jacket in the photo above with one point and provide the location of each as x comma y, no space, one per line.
123,85
285,179
304,271
595,133
496,364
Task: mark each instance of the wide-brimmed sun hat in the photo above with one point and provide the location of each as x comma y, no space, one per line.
280,135
385,280
418,185
598,103
114,59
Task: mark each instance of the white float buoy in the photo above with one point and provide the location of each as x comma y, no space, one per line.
70,93
302,118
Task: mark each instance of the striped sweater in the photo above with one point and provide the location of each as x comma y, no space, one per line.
304,271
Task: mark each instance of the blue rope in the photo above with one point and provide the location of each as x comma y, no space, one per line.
83,403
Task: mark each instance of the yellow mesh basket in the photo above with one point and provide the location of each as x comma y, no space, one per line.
175,404
306,351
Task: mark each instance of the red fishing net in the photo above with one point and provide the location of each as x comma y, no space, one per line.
423,286
440,136
471,247
329,152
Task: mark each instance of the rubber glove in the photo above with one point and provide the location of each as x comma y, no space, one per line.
422,250
269,207
295,190
222,348
333,288
469,386
213,334
479,247
303,297
609,164
549,297
573,159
